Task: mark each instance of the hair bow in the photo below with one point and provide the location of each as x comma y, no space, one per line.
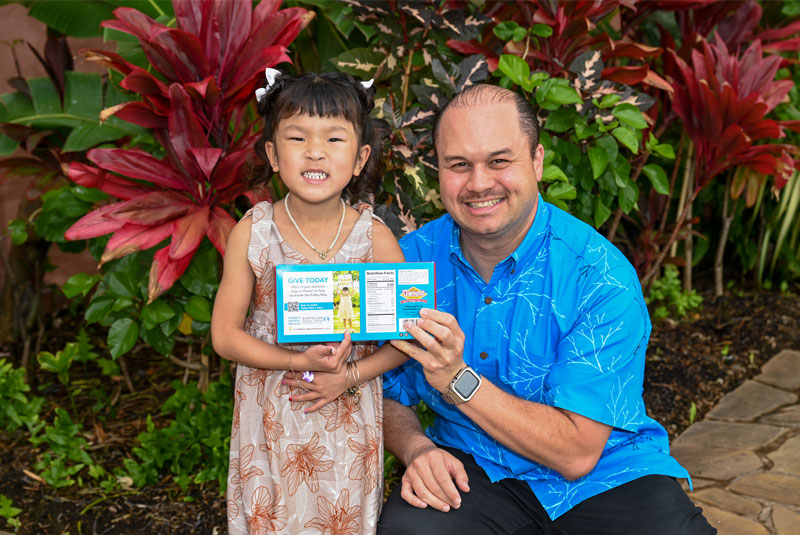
271,74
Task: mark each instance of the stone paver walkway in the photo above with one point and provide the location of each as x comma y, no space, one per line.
744,457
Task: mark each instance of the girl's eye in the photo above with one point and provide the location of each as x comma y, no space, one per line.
335,139
295,138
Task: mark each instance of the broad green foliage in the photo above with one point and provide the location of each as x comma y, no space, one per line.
77,115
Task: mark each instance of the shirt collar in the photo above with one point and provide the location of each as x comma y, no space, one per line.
531,242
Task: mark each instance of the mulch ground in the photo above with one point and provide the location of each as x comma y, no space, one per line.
695,361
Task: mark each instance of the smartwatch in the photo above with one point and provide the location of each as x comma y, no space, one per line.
463,386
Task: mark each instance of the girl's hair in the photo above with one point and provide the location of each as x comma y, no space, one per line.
329,94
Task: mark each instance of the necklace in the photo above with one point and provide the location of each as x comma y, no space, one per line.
322,254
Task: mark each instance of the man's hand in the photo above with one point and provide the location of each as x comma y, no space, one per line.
433,477
443,340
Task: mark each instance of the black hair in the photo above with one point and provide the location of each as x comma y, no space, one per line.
345,288
476,95
329,94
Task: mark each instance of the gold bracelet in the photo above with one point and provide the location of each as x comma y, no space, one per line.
291,354
353,376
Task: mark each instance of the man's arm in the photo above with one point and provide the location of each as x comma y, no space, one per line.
430,471
565,441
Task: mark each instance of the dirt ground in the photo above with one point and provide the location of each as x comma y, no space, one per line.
694,361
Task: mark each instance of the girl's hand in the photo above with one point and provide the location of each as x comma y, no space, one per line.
325,387
325,358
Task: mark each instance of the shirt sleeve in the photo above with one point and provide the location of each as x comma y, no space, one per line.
399,384
599,369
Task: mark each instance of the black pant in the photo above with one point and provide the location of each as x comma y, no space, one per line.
650,505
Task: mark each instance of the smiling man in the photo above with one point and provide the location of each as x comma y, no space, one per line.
533,363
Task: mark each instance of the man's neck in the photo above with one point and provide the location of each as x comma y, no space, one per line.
484,253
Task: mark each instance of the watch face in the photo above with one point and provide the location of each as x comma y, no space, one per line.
466,384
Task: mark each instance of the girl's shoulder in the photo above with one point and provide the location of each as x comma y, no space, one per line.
260,212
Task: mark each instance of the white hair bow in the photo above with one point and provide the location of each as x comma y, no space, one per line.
271,74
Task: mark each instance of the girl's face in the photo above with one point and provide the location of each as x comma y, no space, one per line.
316,156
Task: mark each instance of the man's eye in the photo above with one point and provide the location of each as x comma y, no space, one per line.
499,161
458,165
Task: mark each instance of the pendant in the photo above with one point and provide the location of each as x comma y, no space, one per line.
323,255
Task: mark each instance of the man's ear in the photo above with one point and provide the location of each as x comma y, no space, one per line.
362,159
538,162
272,155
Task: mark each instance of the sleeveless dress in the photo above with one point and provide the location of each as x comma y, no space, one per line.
293,473
345,307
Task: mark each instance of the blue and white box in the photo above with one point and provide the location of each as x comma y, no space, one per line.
317,302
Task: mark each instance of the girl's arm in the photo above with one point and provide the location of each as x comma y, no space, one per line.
328,386
230,311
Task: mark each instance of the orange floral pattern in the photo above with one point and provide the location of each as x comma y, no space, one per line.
368,458
336,519
283,461
268,515
304,463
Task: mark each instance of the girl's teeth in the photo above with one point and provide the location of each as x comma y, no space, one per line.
315,176
484,204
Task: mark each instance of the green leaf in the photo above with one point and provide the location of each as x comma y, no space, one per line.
630,115
516,69
598,158
628,196
562,190
610,146
601,213
120,284
627,137
79,283
553,173
202,277
658,178
361,62
76,19
199,308
556,92
665,150
505,31
6,510
561,120
85,194
608,101
7,145
158,341
18,230
157,312
542,30
122,336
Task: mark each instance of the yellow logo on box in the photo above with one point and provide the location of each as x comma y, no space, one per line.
413,295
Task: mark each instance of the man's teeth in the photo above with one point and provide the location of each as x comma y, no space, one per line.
484,204
315,176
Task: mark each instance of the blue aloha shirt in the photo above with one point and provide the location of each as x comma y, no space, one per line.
561,322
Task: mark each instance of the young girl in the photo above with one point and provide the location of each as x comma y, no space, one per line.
295,469
346,308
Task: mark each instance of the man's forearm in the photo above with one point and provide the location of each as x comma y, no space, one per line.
402,432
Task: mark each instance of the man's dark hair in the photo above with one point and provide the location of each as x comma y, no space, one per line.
476,95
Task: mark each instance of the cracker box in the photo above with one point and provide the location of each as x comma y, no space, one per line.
317,302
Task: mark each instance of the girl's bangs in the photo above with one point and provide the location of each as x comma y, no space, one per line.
320,100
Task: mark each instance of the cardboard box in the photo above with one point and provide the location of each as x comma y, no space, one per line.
316,302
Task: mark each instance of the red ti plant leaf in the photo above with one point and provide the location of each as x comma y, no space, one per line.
207,70
723,100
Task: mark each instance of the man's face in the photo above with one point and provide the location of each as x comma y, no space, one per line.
487,178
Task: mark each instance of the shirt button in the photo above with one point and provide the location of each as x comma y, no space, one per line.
488,300
484,355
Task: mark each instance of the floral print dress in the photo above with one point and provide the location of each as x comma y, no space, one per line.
294,473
